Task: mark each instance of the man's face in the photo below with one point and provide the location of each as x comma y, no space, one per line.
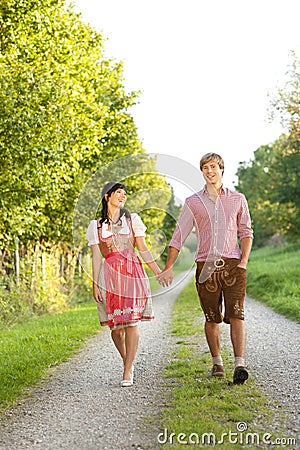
212,172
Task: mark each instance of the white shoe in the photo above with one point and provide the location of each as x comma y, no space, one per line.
126,383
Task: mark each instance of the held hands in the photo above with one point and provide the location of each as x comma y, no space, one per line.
97,294
165,277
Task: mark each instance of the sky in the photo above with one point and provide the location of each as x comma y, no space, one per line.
206,69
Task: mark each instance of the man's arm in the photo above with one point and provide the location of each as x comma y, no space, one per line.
246,245
245,232
171,258
166,276
182,230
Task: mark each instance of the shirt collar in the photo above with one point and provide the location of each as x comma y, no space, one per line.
204,190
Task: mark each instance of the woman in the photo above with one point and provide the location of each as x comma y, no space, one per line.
122,288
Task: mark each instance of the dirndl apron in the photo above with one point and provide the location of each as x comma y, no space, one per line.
124,284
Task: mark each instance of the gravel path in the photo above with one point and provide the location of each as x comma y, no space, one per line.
83,407
273,356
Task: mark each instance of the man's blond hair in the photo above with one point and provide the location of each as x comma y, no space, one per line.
212,157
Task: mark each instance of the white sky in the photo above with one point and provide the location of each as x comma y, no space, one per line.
205,68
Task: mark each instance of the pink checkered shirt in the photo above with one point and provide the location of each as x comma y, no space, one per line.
217,225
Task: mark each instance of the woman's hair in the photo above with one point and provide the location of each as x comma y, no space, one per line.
212,157
107,190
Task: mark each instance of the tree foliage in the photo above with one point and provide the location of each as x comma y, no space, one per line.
285,105
63,114
271,181
262,181
170,220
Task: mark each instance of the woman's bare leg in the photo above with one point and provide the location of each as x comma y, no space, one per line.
131,345
118,337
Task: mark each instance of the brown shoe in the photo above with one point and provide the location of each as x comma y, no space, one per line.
218,371
240,375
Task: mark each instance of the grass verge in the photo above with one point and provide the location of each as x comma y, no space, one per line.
28,350
205,411
273,278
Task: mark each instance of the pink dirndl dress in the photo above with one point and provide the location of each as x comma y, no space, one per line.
127,289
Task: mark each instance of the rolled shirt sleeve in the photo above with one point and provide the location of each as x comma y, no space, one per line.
244,220
183,228
138,227
92,233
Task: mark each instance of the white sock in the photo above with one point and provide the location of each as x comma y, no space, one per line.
239,361
217,360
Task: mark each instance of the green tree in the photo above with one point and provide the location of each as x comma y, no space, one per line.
254,181
148,194
63,114
285,104
169,223
271,181
265,181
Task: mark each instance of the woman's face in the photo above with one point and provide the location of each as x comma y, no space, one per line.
117,198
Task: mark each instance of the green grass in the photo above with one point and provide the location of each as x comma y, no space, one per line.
28,350
201,407
273,278
196,403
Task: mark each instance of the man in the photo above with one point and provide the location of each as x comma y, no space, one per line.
220,216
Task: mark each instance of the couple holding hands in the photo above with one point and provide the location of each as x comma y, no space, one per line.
121,287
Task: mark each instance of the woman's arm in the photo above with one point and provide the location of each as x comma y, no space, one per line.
146,254
96,266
